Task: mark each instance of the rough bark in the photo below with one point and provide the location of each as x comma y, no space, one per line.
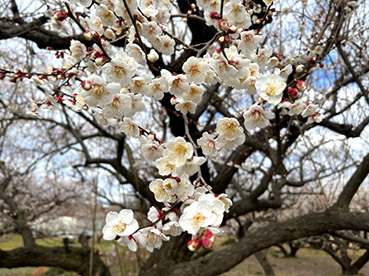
304,226
265,264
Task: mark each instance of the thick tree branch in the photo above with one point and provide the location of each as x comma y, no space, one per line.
353,184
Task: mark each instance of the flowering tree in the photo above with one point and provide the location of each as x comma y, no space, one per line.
210,111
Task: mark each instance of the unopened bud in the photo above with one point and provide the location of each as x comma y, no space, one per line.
223,24
299,68
293,92
301,85
273,61
100,61
173,101
214,15
232,29
60,15
152,56
86,85
90,35
207,239
194,244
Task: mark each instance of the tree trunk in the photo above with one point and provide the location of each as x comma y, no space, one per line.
265,264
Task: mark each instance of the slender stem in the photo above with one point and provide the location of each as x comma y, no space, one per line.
134,25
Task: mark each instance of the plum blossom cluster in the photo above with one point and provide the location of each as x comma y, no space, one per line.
116,82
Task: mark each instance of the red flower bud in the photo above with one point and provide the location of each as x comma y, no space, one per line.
223,24
293,92
86,85
194,244
301,85
60,15
214,15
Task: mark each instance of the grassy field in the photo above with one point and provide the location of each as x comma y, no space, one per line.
309,262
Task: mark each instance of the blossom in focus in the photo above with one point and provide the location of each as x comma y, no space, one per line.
270,88
256,116
229,128
207,144
119,224
177,151
151,238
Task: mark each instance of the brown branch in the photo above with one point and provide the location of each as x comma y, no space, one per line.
353,184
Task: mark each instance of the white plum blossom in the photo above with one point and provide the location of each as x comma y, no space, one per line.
129,128
297,108
164,44
248,42
315,118
178,84
157,87
227,202
151,151
164,167
221,142
286,71
196,69
207,144
234,10
107,17
185,106
177,151
128,241
136,52
161,193
100,92
222,68
284,105
207,211
119,70
119,224
172,228
190,167
140,85
77,49
309,110
229,128
270,88
85,3
184,189
120,105
151,31
195,94
151,238
256,116
137,104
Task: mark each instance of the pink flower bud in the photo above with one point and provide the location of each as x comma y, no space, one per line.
152,56
194,244
299,68
100,61
207,239
86,85
223,24
301,85
60,15
293,92
214,15
232,29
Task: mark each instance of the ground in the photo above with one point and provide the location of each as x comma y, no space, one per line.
309,262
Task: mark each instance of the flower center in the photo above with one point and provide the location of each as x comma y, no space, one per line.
119,227
198,219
